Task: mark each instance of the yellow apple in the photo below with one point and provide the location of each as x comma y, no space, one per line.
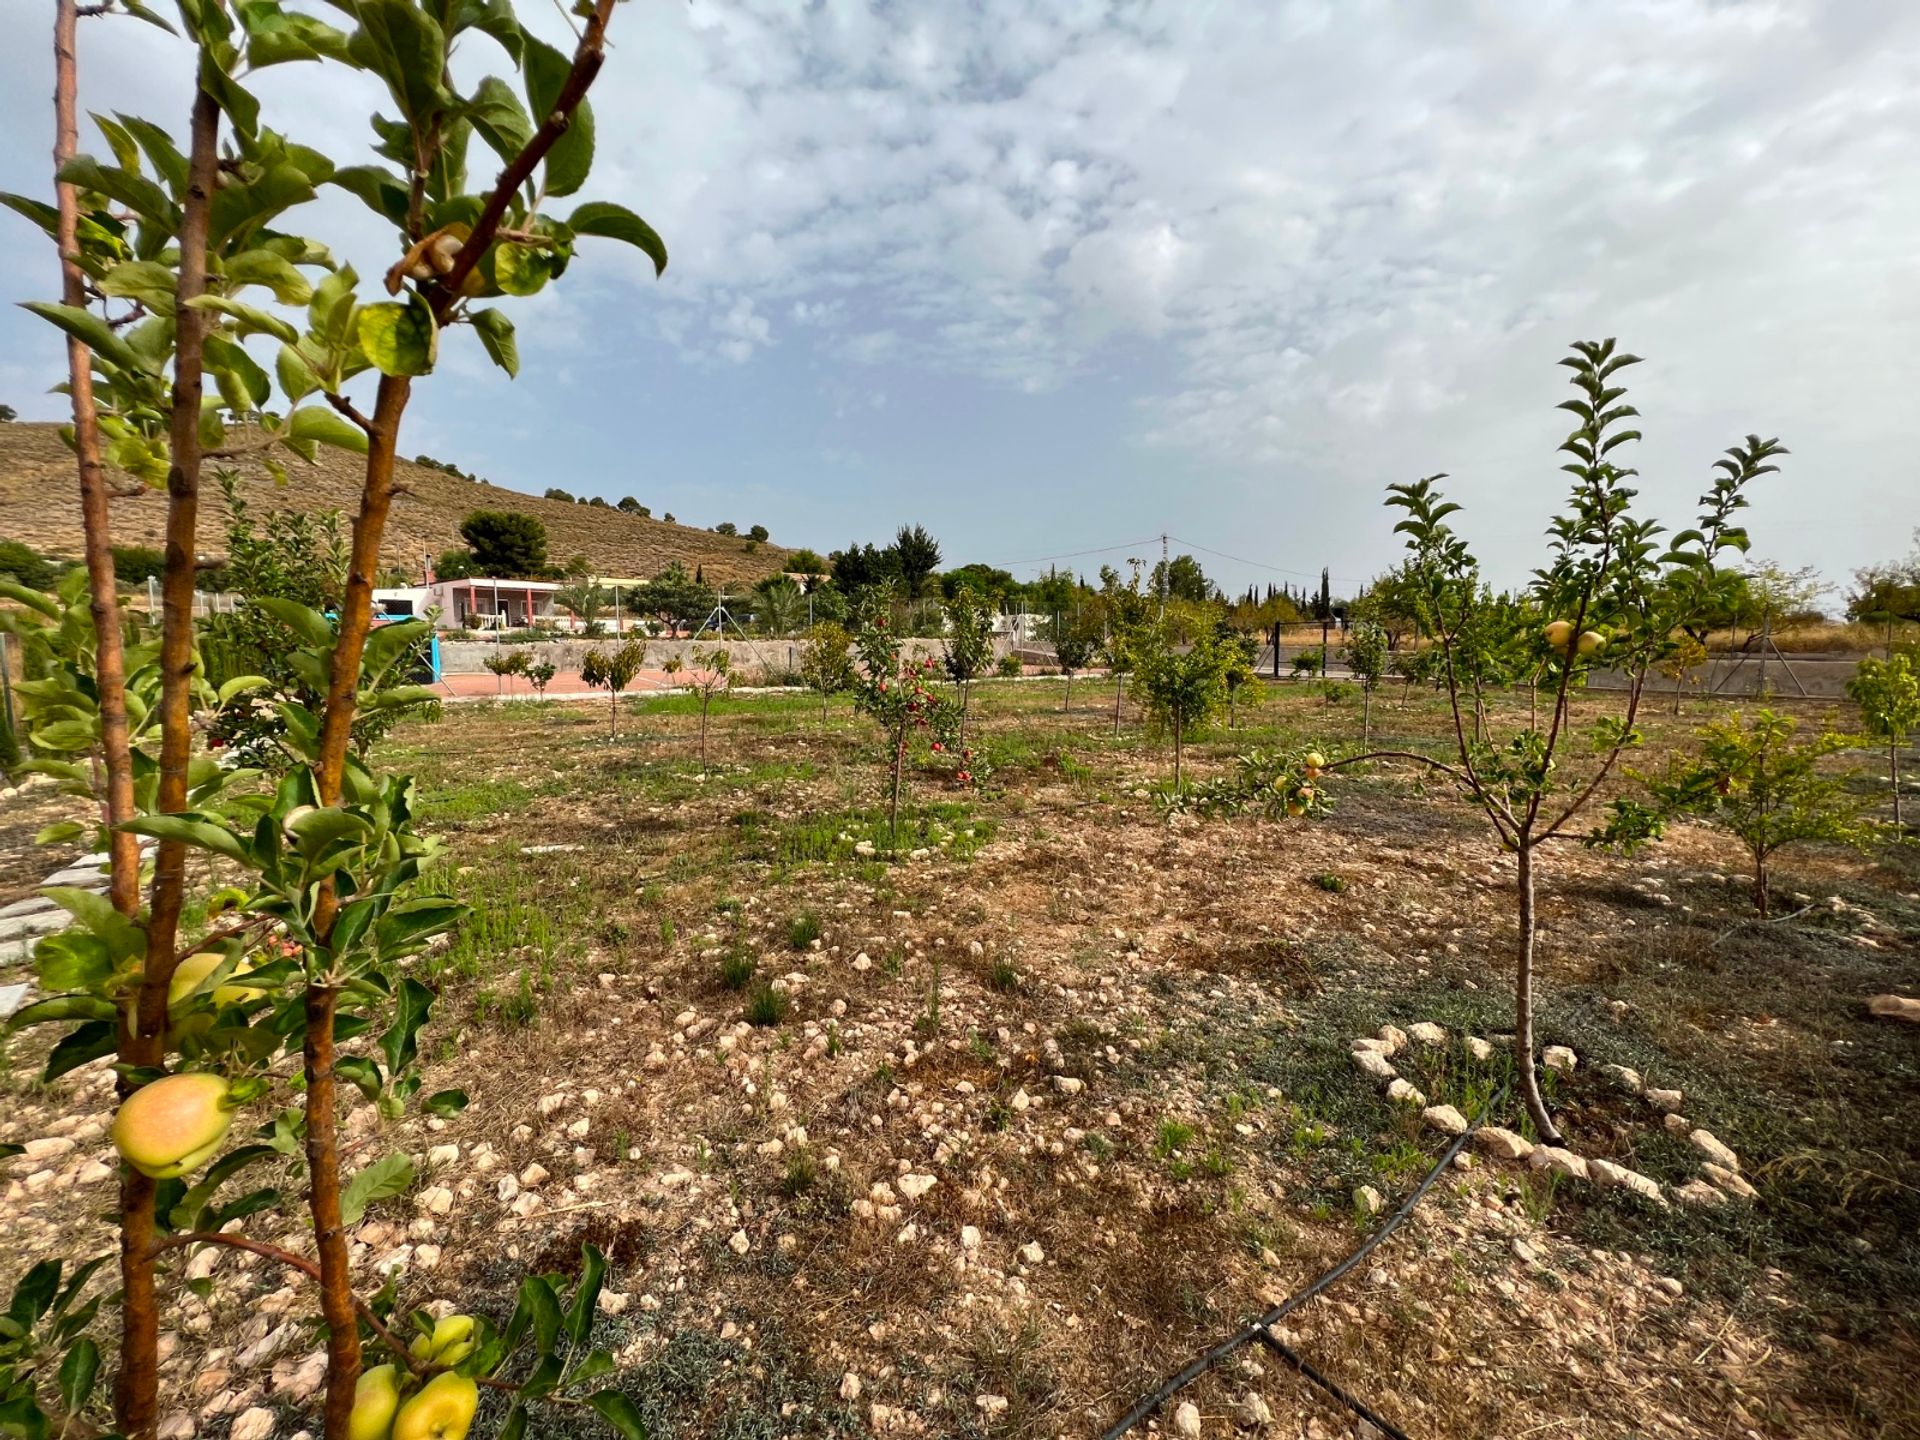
173,1126
1296,809
1592,641
1558,633
453,1339
1315,760
191,973
441,1411
375,1397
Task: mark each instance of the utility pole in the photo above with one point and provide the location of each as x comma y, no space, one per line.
1164,576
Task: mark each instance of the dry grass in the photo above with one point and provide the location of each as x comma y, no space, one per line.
1202,986
39,505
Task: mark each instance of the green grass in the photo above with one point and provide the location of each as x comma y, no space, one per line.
804,930
767,1006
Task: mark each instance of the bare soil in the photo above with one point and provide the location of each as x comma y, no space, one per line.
1118,1040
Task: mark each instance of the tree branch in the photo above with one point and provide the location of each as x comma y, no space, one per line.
347,408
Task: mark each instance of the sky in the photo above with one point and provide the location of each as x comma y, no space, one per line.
1054,278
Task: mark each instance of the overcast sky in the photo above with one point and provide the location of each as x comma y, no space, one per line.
1049,277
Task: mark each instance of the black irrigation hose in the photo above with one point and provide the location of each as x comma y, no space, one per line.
1294,1358
1208,1359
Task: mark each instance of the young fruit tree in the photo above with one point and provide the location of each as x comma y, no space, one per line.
612,671
1075,650
1181,689
1126,614
1616,597
711,676
969,643
198,253
1367,660
1754,781
826,663
898,696
505,666
1888,694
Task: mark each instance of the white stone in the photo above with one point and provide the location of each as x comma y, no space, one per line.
1445,1119
1068,1085
254,1424
1730,1181
1031,1253
1705,1142
1609,1176
535,1174
738,1242
1372,1062
1559,1057
1559,1160
1699,1194
913,1186
969,1237
1895,1007
850,1387
1501,1143
1394,1037
1367,1200
1627,1079
1186,1421
435,1200
1478,1048
1402,1093
1252,1411
1669,1100
1427,1033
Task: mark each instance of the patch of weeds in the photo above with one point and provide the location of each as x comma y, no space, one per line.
767,1006
667,931
518,1008
804,930
1173,1137
1330,882
736,969
1098,1146
980,1047
727,905
834,1043
999,1115
1003,977
801,1174
894,962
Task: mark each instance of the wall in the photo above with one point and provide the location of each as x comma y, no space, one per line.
752,659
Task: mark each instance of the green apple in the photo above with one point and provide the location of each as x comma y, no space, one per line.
453,1339
1558,633
173,1126
375,1397
191,973
1591,642
441,1411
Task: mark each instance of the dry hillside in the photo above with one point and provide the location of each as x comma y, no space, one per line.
39,505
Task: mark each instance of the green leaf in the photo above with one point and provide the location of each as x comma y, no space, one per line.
60,832
162,154
243,384
324,424
147,281
37,211
402,44
580,1314
72,961
133,190
543,1306
516,1425
275,271
496,333
572,155
382,191
80,1046
616,222
97,914
412,1004
185,1214
194,830
90,330
619,1411
238,207
275,37
240,685
61,1007
381,1180
310,625
297,378
77,1373
400,339
445,1103
521,269
497,114
361,1073
250,319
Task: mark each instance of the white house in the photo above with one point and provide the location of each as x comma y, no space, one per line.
482,602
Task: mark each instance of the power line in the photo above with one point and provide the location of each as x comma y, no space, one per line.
1076,554
1262,565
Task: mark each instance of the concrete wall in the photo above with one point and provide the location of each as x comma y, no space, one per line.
752,659
1823,676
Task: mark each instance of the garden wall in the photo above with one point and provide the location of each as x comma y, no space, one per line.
752,659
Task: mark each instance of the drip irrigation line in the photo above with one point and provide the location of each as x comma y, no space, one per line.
1299,1362
1257,1331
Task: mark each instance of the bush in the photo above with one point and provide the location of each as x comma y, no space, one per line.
1010,667
25,566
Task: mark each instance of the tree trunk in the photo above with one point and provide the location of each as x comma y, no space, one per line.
1366,715
109,655
1523,1005
1762,899
1066,702
704,702
1176,754
613,714
1118,683
1533,704
1893,767
142,1037
323,1202
893,805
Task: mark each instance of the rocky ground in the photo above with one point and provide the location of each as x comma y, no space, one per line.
1031,1117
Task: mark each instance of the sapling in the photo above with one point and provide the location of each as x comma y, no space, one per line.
1615,598
898,695
826,663
1074,650
712,676
1888,694
1182,689
969,644
1367,660
613,671
1753,780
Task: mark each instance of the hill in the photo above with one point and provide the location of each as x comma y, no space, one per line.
40,505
